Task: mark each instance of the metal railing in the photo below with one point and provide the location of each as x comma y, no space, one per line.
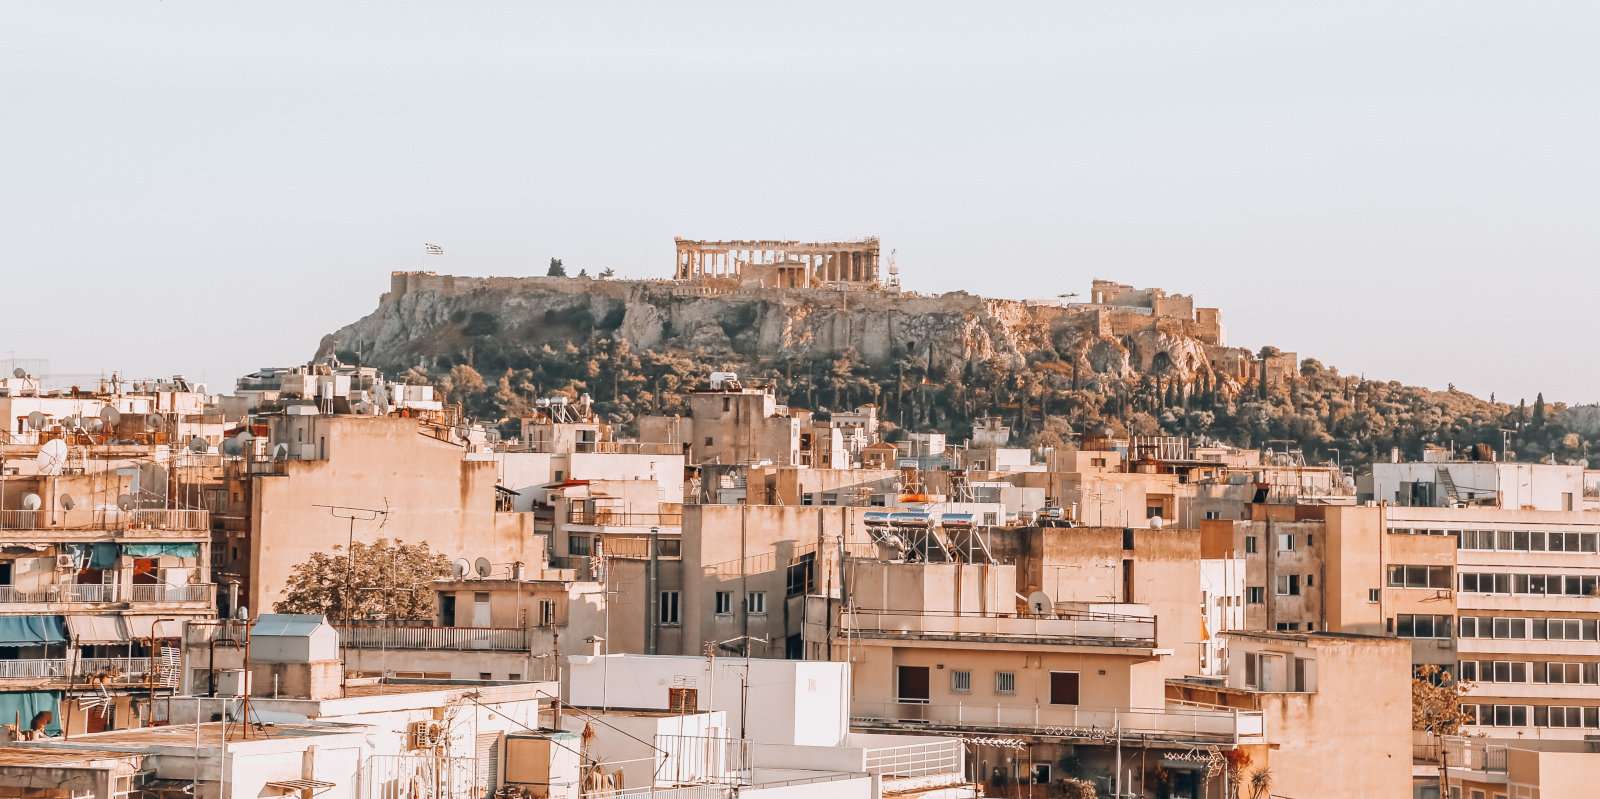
1080,627
171,594
599,447
11,595
605,517
37,669
688,759
1068,721
493,639
89,592
916,760
110,520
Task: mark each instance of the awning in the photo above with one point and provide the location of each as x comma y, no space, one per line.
157,550
31,630
140,626
22,707
95,556
97,629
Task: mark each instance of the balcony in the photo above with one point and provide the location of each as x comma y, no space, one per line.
1073,628
1067,722
606,517
77,671
106,520
459,639
161,594
34,669
597,447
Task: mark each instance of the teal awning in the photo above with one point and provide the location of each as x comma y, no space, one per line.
22,707
96,556
157,550
32,630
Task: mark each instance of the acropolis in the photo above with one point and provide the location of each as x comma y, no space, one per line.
766,263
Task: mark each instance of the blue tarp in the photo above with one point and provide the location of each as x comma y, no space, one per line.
96,556
23,706
157,550
32,630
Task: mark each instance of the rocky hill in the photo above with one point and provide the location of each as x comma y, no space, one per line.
1137,361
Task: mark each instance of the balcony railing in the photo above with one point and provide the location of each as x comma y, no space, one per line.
494,639
171,594
1101,725
112,520
89,592
34,669
916,760
1083,628
605,517
599,447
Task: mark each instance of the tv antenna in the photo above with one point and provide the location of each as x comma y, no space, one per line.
353,515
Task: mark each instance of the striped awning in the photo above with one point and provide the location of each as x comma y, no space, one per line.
97,629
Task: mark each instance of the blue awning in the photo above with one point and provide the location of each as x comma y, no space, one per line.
95,556
157,550
22,707
32,630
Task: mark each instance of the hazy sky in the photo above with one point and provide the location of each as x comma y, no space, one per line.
1409,191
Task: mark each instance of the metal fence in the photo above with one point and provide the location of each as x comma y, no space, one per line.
494,639
1069,721
110,520
422,777
172,594
916,760
700,758
42,668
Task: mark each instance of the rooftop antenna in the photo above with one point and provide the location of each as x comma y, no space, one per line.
353,514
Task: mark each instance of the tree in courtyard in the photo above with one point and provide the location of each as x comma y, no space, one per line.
383,581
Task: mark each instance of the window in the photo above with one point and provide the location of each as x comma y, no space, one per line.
1286,542
1063,688
727,405
1467,670
802,574
1249,545
668,609
1374,595
708,441
579,545
485,675
960,682
913,685
1005,683
547,613
1255,595
669,547
808,498
1041,773
1252,670
1422,625
724,603
1401,576
1310,580
755,602
1288,585
1310,539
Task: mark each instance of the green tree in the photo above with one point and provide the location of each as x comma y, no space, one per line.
556,269
382,581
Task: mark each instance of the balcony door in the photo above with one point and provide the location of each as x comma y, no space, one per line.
913,685
1063,688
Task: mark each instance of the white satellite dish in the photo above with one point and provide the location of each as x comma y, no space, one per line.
72,422
1040,603
198,444
126,502
52,457
19,373
110,416
36,421
484,567
1156,522
31,502
154,422
67,502
460,568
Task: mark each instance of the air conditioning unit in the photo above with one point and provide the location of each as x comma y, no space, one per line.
66,562
424,734
1447,643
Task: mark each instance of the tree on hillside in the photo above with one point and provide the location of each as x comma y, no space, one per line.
556,269
383,581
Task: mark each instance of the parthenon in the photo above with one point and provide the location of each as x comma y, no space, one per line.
780,264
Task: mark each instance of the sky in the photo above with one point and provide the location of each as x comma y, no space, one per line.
1405,191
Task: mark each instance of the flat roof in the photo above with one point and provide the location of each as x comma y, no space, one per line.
210,732
40,757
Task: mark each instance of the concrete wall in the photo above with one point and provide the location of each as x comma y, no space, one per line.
432,494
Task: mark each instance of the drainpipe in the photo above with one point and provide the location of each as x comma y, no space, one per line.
652,578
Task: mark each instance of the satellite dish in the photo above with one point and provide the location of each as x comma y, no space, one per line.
31,502
19,373
198,445
67,502
126,502
72,422
154,422
1040,603
52,457
484,567
231,447
460,568
110,416
1156,522
36,421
